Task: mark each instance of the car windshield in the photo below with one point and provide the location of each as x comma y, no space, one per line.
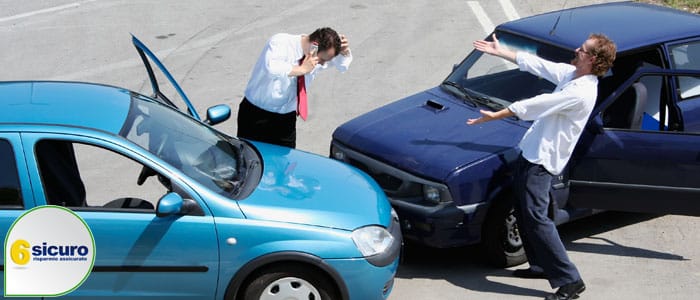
204,154
496,82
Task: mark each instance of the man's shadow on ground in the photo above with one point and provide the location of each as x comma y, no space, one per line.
465,266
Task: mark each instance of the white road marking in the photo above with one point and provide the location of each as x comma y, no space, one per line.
481,16
44,11
485,21
509,9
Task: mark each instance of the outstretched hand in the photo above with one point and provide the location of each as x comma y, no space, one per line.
494,48
485,46
486,115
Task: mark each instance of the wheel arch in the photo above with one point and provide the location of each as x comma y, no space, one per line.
499,205
235,284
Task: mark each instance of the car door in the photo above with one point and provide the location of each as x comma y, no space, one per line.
165,87
138,254
15,195
685,56
635,154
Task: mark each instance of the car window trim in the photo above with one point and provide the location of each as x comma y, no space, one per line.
96,141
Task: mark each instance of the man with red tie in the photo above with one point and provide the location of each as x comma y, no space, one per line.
276,91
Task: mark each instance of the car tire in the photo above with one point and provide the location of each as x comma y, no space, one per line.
289,281
500,239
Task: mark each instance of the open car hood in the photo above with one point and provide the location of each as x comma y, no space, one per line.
160,78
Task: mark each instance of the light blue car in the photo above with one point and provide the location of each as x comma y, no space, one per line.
181,210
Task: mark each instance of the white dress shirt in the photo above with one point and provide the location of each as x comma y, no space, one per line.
560,117
270,86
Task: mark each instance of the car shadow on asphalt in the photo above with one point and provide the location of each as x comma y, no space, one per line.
585,228
463,267
466,268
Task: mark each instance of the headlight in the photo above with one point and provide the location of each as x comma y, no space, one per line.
372,240
337,154
431,193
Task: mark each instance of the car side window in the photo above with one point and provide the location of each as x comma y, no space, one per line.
642,106
82,176
10,190
689,104
686,56
625,67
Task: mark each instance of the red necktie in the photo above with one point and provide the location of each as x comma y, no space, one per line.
302,109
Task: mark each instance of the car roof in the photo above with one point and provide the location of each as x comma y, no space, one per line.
630,25
64,103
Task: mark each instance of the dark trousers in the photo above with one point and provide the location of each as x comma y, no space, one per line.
257,124
543,246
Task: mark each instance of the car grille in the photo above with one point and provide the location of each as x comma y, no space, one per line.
396,183
386,181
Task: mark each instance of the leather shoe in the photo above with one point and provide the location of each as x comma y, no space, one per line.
529,273
568,291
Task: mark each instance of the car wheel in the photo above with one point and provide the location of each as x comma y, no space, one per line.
289,282
500,237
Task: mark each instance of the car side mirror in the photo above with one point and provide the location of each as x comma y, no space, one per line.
191,208
169,204
217,114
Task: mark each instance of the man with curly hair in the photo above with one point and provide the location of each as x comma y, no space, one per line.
286,66
559,119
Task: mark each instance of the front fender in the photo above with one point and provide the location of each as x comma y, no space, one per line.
287,256
246,245
483,180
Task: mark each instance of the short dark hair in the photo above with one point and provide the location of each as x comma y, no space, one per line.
326,38
604,51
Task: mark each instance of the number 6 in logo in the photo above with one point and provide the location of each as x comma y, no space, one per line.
19,252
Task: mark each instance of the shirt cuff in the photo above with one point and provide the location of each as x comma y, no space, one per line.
520,58
516,108
342,62
347,55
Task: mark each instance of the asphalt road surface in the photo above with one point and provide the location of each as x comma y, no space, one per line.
399,48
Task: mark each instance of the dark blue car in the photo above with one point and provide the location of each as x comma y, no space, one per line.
451,183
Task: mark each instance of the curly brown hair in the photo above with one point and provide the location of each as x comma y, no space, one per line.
604,52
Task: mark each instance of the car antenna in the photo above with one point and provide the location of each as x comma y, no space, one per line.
554,28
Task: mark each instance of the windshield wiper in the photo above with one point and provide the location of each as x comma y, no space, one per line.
474,97
463,92
486,101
